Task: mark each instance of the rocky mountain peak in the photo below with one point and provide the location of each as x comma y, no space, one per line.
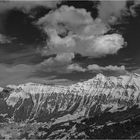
53,105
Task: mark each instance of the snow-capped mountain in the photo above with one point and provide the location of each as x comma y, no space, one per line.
82,110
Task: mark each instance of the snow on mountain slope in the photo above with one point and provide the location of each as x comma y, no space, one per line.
97,108
29,102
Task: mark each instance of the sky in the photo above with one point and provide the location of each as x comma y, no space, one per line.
65,41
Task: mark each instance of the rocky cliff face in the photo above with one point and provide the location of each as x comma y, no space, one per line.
82,110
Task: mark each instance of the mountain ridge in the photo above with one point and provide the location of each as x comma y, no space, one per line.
98,102
126,80
125,88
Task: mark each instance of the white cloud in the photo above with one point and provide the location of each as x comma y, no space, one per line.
57,64
95,67
111,8
76,67
63,58
60,64
69,16
86,46
86,36
108,44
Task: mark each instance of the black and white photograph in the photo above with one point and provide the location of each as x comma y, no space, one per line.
69,69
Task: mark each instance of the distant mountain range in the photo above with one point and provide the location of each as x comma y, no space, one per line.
102,107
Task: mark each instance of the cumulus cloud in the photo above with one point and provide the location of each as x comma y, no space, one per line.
69,31
23,73
83,34
95,67
75,67
110,8
57,64
108,44
86,46
69,15
78,21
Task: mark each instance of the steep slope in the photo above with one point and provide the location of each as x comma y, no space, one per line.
97,103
